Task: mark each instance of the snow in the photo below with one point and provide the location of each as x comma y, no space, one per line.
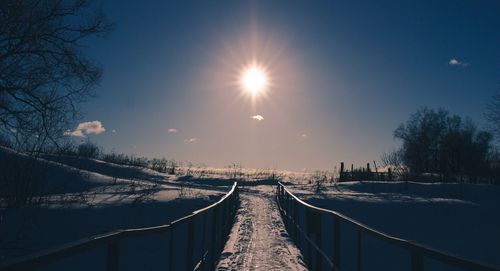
258,240
461,219
85,197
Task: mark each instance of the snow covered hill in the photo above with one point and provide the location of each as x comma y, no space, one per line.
459,218
83,197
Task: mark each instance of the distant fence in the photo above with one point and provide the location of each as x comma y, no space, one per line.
366,174
332,241
196,239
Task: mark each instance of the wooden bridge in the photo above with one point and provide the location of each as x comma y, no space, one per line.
332,241
328,241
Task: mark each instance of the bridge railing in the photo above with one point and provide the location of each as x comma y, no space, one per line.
194,242
332,241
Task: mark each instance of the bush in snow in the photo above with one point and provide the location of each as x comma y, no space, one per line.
89,150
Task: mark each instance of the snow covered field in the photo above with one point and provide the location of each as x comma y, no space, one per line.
86,197
462,219
92,197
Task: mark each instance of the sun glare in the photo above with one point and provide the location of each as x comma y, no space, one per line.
254,80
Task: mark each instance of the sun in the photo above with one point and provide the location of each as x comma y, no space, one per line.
254,79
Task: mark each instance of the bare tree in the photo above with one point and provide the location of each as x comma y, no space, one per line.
43,72
437,142
394,161
493,114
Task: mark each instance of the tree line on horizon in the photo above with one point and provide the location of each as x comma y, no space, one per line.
438,144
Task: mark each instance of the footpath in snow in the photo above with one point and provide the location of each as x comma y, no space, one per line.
258,239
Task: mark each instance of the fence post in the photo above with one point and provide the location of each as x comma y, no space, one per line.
204,240
222,216
226,227
308,231
278,192
171,249
341,174
287,210
318,229
295,219
336,242
215,234
359,250
190,245
112,260
417,263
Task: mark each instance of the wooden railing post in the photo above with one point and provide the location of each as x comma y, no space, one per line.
319,258
359,250
295,219
287,210
112,259
336,242
417,263
204,239
225,222
171,249
190,245
215,233
308,231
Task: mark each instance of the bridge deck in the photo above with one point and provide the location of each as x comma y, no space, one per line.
258,240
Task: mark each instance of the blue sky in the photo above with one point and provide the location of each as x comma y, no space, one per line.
344,76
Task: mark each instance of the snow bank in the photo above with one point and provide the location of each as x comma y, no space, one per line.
459,218
86,197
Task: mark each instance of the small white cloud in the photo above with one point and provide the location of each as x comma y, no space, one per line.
303,135
113,131
257,117
456,62
91,127
173,130
87,128
190,140
76,133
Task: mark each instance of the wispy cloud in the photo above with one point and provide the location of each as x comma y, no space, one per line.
303,135
113,131
455,62
75,133
190,140
257,117
173,130
87,128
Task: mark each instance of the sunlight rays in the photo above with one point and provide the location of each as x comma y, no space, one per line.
254,80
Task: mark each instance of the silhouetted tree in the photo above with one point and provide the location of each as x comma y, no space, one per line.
43,73
394,161
421,136
89,150
436,142
493,114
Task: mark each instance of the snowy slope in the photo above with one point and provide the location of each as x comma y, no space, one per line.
459,218
88,201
